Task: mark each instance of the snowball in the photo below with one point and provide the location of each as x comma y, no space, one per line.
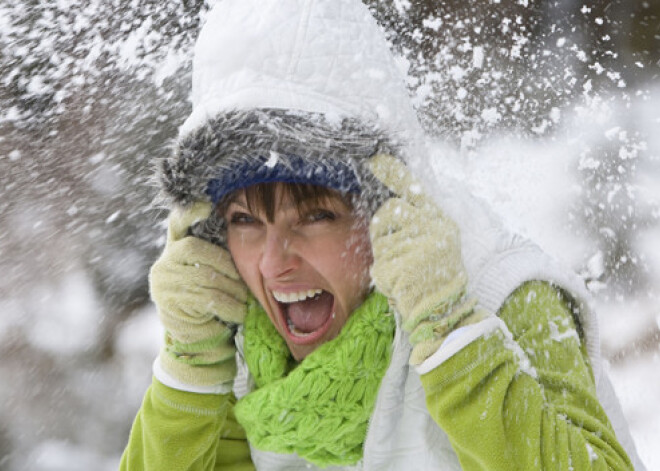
457,73
113,217
478,57
67,316
272,159
432,23
491,115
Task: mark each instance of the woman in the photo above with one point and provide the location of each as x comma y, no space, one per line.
318,309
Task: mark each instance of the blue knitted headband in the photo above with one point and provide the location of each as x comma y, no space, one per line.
287,168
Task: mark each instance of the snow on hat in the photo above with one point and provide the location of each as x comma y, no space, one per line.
319,56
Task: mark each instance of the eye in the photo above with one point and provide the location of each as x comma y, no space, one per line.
319,215
241,219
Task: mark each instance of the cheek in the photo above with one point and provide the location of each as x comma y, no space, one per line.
359,254
352,267
243,257
365,250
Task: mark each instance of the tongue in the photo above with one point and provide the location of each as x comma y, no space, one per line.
310,314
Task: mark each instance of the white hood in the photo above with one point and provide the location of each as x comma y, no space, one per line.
326,56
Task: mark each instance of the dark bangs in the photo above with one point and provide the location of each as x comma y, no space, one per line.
262,197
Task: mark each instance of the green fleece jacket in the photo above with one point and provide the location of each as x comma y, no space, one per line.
522,403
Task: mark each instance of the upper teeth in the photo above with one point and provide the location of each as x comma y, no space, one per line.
295,297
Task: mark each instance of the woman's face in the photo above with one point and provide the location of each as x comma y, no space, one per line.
309,269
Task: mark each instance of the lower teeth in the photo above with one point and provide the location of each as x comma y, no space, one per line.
294,330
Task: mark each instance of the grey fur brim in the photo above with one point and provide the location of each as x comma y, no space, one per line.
218,147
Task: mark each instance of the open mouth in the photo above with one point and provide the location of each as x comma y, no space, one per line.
307,314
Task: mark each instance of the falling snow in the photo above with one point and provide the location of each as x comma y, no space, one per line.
552,118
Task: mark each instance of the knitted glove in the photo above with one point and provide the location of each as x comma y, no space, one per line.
417,261
200,298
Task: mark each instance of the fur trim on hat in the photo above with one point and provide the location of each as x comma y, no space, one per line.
214,151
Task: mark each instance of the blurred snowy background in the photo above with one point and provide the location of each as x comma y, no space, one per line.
550,109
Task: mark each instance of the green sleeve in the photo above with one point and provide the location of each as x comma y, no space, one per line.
526,402
187,432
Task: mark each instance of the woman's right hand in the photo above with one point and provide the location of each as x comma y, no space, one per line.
200,299
417,261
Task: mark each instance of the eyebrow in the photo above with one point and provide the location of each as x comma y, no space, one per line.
236,201
243,205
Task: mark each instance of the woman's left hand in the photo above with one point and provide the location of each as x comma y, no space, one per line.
417,260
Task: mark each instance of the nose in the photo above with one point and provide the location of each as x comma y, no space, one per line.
278,257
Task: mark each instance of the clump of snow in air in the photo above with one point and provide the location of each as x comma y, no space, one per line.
537,111
65,315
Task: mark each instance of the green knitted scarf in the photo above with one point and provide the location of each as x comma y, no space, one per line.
319,408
